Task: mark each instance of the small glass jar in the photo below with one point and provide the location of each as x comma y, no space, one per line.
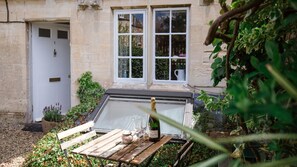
127,137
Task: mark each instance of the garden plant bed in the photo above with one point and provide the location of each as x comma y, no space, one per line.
15,143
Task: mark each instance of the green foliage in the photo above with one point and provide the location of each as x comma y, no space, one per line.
218,143
53,113
213,103
80,110
47,151
89,93
261,89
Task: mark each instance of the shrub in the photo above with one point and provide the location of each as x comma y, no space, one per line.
53,113
89,94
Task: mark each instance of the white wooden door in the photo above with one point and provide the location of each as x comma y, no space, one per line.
50,67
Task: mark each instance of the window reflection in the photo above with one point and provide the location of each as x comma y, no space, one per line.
170,44
130,44
137,45
137,68
123,23
162,21
123,66
162,69
179,21
178,45
162,45
124,45
137,23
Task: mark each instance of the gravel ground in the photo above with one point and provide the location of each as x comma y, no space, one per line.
15,143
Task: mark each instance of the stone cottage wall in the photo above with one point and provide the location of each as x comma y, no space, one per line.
91,43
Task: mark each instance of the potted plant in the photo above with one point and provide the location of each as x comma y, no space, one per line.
51,117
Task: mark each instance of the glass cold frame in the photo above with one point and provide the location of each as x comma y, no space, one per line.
119,113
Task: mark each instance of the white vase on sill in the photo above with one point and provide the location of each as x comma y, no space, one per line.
180,74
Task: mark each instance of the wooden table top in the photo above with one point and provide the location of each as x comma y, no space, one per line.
109,146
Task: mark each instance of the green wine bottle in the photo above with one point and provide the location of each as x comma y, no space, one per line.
154,124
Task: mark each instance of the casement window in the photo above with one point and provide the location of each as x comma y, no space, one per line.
130,46
170,45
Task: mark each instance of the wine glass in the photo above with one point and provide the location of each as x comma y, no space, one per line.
137,126
144,125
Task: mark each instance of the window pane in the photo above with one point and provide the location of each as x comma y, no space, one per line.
162,45
137,45
137,23
137,68
162,69
162,21
178,45
123,68
178,69
44,32
123,23
179,21
124,45
62,34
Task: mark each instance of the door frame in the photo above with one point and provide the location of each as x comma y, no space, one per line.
30,110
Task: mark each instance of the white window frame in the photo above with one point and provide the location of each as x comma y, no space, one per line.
116,57
170,35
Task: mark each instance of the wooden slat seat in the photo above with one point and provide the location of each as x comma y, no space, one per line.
182,152
65,143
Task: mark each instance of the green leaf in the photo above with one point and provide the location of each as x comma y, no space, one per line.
211,161
273,53
255,62
257,137
294,4
287,85
291,19
273,110
283,162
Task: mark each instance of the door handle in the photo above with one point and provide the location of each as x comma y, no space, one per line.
55,53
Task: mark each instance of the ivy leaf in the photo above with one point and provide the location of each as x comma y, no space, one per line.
271,48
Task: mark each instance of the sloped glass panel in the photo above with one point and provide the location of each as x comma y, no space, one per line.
120,113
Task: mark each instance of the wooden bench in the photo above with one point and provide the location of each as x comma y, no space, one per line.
65,135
